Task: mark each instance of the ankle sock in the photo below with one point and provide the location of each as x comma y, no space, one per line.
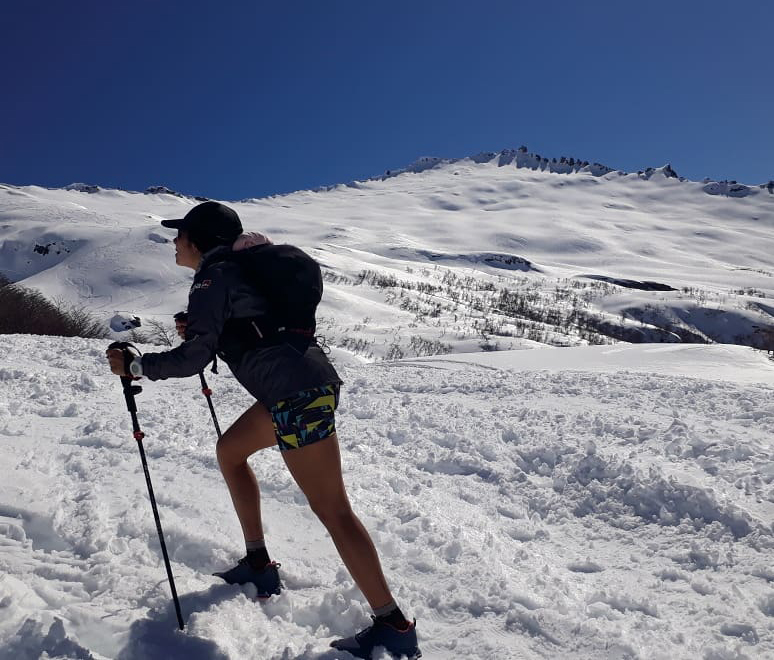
257,555
391,614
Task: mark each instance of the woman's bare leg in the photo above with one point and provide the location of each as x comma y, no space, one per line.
316,469
251,432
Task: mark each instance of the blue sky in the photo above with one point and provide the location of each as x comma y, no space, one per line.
244,99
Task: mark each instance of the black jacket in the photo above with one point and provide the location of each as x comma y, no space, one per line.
270,373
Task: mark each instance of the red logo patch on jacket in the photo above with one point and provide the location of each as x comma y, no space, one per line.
201,285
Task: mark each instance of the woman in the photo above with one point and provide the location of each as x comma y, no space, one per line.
297,391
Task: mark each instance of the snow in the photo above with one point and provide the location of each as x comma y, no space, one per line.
505,220
729,363
611,502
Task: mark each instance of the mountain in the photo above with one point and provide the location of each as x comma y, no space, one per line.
611,501
496,251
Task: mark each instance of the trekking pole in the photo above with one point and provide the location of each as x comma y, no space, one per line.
129,392
208,393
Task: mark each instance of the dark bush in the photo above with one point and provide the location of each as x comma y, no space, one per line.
28,312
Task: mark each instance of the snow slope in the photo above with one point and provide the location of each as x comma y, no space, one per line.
559,503
465,230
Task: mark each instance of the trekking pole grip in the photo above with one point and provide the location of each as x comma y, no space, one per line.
129,351
127,382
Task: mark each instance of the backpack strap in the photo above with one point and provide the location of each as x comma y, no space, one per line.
245,334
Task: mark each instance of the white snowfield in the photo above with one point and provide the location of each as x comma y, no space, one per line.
603,502
596,502
441,245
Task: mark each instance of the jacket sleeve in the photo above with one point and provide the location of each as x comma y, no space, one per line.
208,308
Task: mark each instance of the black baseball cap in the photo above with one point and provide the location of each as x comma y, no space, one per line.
212,221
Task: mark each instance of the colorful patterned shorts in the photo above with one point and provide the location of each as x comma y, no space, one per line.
306,417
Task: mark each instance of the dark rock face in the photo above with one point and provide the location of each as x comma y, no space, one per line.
162,190
50,248
83,187
727,188
646,285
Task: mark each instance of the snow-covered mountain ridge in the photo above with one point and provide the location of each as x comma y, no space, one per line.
519,158
456,256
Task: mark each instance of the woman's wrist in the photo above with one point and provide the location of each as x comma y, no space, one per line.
135,367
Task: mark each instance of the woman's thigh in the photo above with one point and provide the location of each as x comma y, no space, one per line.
252,432
316,469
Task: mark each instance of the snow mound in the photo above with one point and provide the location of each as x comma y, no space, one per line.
572,503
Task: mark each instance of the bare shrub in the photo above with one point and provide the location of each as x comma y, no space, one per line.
423,347
395,352
161,334
27,311
81,322
139,337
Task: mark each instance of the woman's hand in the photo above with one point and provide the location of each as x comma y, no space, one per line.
117,361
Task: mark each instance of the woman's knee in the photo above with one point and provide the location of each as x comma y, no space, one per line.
335,511
228,454
252,432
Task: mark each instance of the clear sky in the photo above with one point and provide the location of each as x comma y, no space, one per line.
233,99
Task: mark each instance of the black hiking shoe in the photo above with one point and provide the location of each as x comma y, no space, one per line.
265,579
398,643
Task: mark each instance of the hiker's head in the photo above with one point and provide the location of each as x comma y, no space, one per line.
181,322
186,252
207,226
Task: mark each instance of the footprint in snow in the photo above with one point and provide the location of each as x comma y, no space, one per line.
586,566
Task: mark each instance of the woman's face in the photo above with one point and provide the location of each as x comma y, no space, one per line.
186,253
